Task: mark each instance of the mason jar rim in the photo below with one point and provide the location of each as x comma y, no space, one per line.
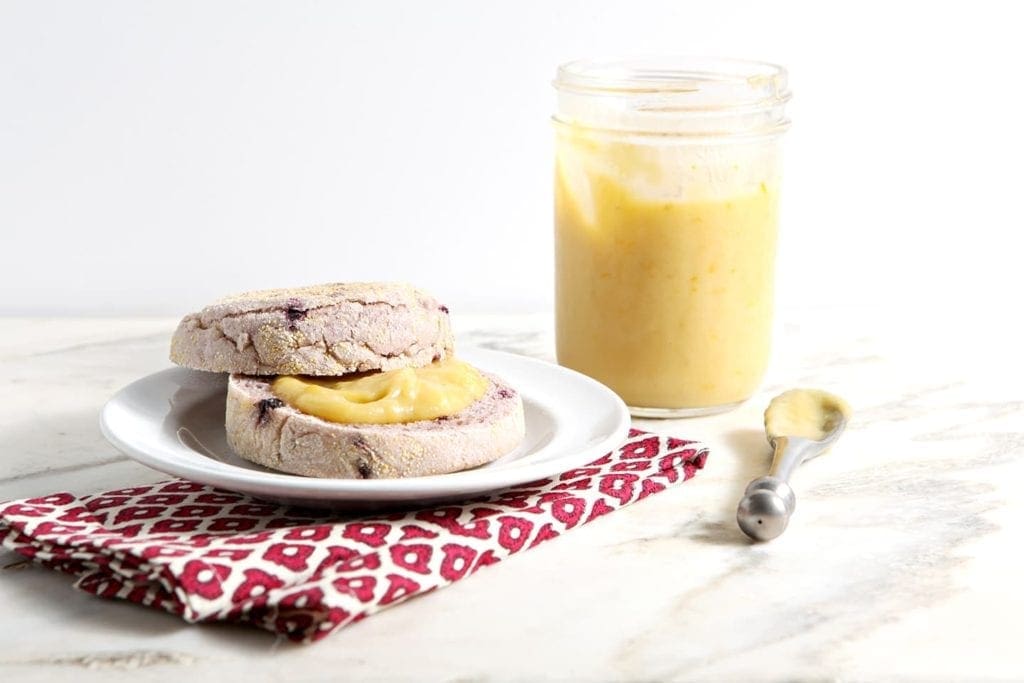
740,82
707,98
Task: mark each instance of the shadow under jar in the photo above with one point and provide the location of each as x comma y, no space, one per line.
666,218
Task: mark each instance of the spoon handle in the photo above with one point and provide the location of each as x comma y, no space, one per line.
789,454
768,502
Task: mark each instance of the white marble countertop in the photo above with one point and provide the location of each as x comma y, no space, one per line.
903,560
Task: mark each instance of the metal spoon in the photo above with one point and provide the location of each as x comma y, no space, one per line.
801,424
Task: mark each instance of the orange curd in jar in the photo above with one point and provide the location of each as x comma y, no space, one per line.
666,205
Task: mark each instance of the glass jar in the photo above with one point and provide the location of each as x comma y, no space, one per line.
666,216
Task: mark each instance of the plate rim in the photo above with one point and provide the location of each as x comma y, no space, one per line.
232,477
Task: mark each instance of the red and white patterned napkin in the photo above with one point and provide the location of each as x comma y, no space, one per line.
211,555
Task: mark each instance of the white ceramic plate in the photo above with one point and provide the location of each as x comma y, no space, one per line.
173,421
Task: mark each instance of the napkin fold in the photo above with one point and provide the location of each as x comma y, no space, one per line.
207,554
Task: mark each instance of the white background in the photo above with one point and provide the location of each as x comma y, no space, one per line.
156,155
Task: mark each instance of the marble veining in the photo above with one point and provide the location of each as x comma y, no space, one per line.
900,563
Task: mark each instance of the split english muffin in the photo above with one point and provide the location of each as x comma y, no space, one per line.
349,380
